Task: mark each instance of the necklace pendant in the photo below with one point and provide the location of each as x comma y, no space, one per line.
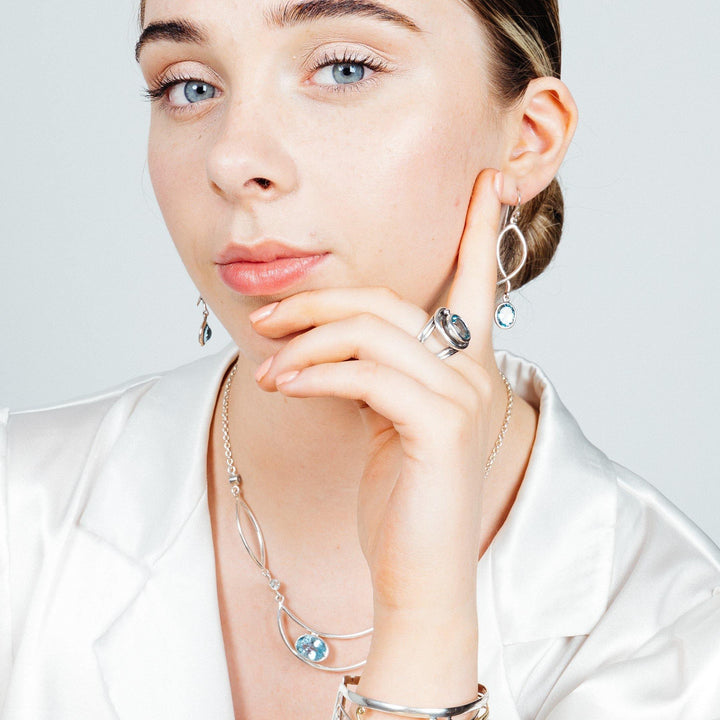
312,648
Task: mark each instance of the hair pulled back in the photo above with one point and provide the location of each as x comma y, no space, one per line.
525,43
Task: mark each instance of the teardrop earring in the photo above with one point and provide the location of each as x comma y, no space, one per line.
505,313
205,329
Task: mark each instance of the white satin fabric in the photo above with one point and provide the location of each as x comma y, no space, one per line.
597,599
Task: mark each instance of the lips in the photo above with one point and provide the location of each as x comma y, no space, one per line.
265,268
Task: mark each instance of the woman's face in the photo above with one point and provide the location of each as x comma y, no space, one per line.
343,134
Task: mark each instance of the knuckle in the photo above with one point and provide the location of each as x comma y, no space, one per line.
366,322
483,384
388,294
368,370
366,318
305,303
461,418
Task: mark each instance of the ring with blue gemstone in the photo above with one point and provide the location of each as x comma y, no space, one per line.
452,329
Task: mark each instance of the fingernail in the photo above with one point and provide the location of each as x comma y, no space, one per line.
286,377
499,184
262,371
263,312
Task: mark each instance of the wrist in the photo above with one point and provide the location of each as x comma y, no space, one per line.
421,659
435,608
348,696
436,594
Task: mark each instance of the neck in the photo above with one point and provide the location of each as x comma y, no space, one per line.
300,459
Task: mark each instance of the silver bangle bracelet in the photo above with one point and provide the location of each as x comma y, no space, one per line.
344,693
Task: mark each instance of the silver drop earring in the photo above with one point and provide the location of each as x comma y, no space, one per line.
205,329
505,313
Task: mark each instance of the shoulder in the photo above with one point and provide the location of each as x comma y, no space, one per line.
592,494
43,456
659,549
46,468
655,643
47,448
618,580
621,548
104,465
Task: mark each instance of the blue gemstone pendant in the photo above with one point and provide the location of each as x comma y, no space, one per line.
505,315
207,334
312,648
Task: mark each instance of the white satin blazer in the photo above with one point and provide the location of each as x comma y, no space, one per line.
597,598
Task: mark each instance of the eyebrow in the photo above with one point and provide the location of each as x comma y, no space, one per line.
286,15
181,31
289,14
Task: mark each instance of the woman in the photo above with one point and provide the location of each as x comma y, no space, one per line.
446,499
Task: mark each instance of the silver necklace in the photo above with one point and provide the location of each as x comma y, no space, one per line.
311,646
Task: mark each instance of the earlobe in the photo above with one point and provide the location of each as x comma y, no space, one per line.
545,123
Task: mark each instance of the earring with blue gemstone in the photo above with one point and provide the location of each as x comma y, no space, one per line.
205,329
505,313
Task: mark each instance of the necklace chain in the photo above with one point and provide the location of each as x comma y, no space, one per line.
503,428
310,647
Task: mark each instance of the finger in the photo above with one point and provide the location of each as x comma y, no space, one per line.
316,308
368,337
429,425
472,294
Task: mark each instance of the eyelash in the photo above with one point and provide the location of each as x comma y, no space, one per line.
159,91
374,64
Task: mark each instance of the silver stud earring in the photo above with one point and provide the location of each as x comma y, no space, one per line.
205,329
505,313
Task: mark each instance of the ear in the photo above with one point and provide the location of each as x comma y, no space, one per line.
541,129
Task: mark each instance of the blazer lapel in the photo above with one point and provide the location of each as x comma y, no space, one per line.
557,543
161,652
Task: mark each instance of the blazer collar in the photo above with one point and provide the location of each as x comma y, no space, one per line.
157,466
551,562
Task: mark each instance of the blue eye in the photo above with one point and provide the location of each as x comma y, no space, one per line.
180,90
344,73
340,73
196,91
190,92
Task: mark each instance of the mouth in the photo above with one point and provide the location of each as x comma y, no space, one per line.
265,268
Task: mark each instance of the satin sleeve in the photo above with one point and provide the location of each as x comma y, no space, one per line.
5,605
675,675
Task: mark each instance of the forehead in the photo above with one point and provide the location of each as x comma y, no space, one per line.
417,15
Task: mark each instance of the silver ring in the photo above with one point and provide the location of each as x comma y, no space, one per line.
451,327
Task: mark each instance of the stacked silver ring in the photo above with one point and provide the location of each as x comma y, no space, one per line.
452,330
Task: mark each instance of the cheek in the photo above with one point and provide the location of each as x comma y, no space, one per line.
412,175
176,167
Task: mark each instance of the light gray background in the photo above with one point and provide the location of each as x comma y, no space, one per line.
625,322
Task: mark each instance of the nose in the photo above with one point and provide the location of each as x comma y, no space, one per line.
248,159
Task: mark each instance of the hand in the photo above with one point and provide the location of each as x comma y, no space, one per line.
420,497
419,501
